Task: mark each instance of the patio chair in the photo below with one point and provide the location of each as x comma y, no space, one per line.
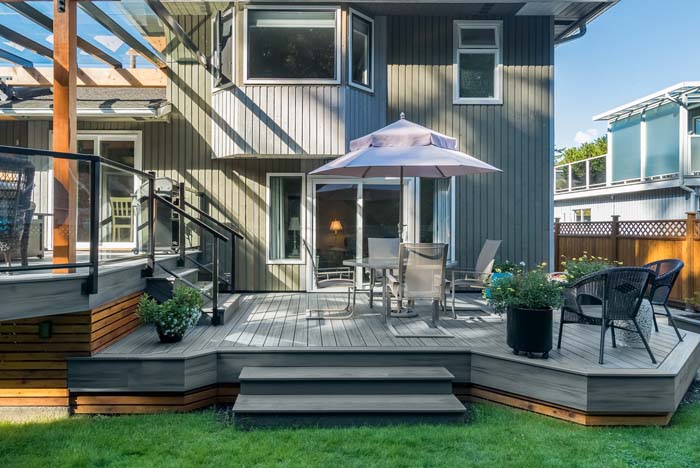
478,278
667,272
336,277
16,206
380,248
122,212
421,275
606,298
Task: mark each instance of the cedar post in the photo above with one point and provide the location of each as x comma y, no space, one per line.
688,273
614,232
65,67
557,258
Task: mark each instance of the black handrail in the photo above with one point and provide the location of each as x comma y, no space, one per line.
214,220
182,212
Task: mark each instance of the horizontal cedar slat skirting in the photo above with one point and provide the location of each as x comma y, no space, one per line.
33,372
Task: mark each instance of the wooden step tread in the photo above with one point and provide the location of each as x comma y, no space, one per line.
408,404
345,373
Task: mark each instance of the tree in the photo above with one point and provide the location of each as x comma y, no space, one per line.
597,147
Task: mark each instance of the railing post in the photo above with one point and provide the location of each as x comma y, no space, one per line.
688,273
588,173
570,176
556,263
231,282
614,233
217,315
181,225
151,222
93,278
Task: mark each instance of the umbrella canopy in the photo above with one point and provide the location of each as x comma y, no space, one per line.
404,149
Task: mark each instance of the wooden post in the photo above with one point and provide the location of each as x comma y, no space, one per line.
614,232
557,259
65,68
688,273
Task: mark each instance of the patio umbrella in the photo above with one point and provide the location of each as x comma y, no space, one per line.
404,149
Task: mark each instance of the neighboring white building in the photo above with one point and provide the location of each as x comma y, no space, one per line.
652,169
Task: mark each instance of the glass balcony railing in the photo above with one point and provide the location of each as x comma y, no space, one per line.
580,175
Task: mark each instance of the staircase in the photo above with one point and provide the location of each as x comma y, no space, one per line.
345,396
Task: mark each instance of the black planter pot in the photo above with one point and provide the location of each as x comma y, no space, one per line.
529,331
168,338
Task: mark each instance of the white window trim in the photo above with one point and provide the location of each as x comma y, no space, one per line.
497,26
302,221
273,81
452,257
214,32
369,88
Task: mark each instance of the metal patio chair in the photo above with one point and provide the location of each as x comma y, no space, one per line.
380,248
324,278
606,298
667,272
16,206
478,278
421,275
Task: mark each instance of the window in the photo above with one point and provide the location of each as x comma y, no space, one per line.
361,55
582,215
477,65
285,218
299,45
696,125
436,211
223,59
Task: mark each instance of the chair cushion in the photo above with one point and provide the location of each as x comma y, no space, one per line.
335,282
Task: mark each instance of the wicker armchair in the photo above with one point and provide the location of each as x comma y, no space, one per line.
16,207
667,272
606,298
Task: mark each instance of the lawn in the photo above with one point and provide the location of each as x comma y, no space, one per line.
496,437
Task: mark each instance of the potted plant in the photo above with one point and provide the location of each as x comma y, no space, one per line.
503,270
528,297
173,317
579,267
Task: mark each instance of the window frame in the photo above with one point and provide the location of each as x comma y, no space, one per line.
215,41
496,51
302,220
696,125
279,81
451,257
582,213
351,82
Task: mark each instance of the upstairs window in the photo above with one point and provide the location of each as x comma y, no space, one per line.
361,55
294,45
222,59
477,64
582,215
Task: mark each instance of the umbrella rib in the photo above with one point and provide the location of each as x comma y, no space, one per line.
364,174
440,171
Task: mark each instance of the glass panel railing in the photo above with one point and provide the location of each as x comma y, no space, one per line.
578,175
561,178
581,175
597,171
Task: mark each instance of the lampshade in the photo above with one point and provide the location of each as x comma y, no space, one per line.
294,224
336,226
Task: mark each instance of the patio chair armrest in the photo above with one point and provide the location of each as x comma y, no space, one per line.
469,275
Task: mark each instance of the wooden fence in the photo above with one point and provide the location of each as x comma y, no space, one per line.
635,243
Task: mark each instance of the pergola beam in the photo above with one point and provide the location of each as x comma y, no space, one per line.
102,77
10,57
45,22
171,23
25,42
105,20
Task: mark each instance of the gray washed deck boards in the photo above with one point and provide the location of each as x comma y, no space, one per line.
277,320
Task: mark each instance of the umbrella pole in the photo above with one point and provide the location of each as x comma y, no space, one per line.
401,205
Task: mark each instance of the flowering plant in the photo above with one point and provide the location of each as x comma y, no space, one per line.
585,264
508,267
174,316
526,290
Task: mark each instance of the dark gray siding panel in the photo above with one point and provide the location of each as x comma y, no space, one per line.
513,206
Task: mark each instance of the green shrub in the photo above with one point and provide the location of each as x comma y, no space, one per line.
174,316
527,290
585,264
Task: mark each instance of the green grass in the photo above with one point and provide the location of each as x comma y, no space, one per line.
496,437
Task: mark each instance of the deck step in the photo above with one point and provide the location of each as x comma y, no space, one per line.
339,396
343,380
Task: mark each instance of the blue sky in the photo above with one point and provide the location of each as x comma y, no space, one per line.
636,48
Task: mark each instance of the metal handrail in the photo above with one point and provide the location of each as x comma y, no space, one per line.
214,220
196,221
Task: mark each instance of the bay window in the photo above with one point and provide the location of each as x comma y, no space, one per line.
477,64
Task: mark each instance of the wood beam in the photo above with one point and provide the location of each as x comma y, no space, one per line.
10,57
102,77
25,42
115,28
171,23
45,22
65,172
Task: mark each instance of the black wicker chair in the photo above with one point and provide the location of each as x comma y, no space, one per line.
667,272
16,207
604,297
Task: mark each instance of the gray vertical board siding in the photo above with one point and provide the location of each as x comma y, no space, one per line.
513,206
669,203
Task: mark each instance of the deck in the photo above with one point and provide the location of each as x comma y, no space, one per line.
271,329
